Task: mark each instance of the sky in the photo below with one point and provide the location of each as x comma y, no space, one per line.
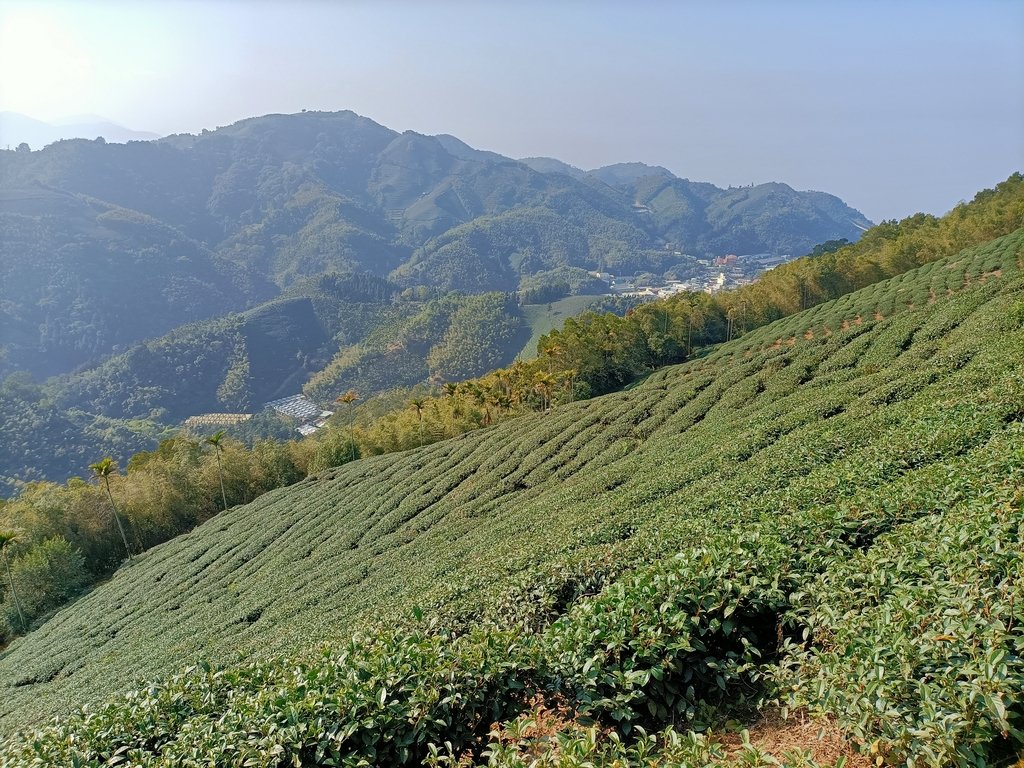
896,107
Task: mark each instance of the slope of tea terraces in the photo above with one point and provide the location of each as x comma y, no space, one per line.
856,469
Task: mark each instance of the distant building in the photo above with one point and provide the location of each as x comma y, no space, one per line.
299,407
643,293
204,421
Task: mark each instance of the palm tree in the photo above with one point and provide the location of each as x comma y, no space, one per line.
544,384
569,378
104,469
695,317
553,352
417,405
217,441
479,398
349,399
6,539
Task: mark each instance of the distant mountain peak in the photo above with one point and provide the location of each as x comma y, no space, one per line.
627,173
16,128
551,165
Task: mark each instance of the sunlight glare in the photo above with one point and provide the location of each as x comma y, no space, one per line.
46,71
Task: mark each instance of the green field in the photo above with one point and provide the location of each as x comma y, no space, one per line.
542,318
824,513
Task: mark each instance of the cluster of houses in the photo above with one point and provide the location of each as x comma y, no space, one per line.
710,276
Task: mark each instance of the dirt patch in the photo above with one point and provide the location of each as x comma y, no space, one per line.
535,732
808,334
791,341
986,275
878,316
820,737
858,320
845,326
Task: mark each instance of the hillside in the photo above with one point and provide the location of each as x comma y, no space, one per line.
797,516
324,335
191,227
80,278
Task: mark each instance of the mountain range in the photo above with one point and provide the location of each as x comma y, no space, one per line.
103,245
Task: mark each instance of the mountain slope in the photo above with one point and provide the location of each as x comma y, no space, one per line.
81,277
276,199
814,452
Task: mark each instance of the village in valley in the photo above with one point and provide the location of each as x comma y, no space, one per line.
703,276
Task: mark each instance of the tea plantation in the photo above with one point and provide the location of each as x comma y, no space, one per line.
825,515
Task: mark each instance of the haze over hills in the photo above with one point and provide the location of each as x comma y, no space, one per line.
16,129
270,200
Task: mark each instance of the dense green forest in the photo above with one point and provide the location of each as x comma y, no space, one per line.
147,282
337,332
792,520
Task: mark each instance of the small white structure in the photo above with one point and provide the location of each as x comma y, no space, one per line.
302,409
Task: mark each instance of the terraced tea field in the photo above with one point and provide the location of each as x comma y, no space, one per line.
875,442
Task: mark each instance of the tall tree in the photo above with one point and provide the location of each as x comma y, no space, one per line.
349,399
544,385
417,404
103,470
217,441
6,539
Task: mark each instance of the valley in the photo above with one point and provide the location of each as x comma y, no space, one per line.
561,491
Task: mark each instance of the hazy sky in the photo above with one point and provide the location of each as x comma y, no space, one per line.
894,106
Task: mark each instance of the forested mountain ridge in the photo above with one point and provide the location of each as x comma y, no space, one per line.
81,278
795,518
269,200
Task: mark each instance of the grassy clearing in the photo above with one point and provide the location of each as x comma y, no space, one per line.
543,318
